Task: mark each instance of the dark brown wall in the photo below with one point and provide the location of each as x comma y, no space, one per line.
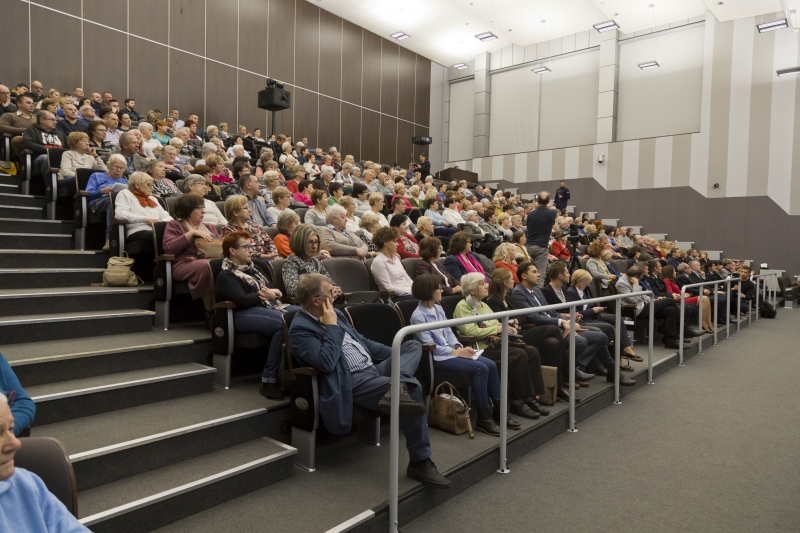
350,88
742,228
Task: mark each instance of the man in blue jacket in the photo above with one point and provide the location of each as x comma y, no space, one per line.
356,371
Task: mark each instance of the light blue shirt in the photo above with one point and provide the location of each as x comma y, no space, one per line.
443,338
26,506
438,220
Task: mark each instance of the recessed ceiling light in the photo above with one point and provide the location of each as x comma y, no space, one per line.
649,64
460,66
486,36
787,71
400,35
772,26
540,70
606,26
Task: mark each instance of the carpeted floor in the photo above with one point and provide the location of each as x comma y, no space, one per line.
712,447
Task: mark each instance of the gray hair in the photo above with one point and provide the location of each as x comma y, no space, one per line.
469,214
470,282
119,158
334,211
176,142
145,126
326,172
193,179
125,138
151,165
309,286
682,267
286,219
208,148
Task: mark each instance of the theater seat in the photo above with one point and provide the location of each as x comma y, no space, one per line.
787,292
51,191
84,218
165,288
47,458
353,278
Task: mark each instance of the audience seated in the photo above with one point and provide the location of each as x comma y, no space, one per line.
672,287
163,187
139,209
460,260
287,222
196,185
100,187
407,246
317,215
376,204
504,258
305,259
337,240
79,155
387,267
237,211
259,212
664,309
39,137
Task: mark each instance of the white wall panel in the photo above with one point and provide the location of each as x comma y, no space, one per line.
666,100
515,112
462,98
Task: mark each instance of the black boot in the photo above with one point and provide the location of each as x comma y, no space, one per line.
486,423
510,422
536,406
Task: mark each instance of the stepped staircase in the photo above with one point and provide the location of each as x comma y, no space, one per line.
150,437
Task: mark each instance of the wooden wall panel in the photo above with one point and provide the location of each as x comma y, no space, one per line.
351,131
405,130
104,52
390,60
406,90
284,120
15,45
148,19
113,13
352,59
249,114
306,46
185,94
420,130
220,100
73,7
370,135
187,19
330,124
422,113
222,29
253,25
306,112
330,59
59,68
148,79
371,77
388,149
281,40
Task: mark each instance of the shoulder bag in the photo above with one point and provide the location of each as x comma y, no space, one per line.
449,412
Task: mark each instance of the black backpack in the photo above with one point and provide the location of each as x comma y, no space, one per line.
766,310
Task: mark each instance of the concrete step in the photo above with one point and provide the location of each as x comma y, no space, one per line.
37,363
17,211
159,497
73,299
66,400
40,227
25,328
41,278
26,200
6,179
28,258
11,188
44,241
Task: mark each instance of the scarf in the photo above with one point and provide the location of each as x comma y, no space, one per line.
473,304
200,227
144,200
253,278
470,264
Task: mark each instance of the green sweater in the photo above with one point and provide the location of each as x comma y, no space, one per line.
464,310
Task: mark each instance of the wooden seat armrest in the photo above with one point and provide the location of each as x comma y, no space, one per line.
82,193
306,371
629,306
428,347
466,340
387,293
224,305
165,257
119,222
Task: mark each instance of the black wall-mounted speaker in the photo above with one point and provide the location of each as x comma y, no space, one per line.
421,140
274,99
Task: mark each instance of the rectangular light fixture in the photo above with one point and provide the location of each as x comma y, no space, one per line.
649,64
606,26
486,36
400,35
788,71
540,70
460,66
773,25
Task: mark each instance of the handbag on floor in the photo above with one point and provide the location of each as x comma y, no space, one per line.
550,378
449,412
119,274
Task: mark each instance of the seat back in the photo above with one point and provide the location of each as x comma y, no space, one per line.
301,212
620,265
47,458
276,272
350,274
221,206
82,176
449,304
159,228
54,156
377,322
406,308
410,264
180,184
171,205
271,231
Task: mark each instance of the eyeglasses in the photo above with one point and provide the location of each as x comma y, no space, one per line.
246,246
328,295
313,242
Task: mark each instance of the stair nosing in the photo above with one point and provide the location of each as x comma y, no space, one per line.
82,315
19,195
61,235
27,220
50,252
122,385
107,352
49,270
90,454
19,207
188,487
77,291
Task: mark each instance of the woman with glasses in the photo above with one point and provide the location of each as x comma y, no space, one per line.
196,184
139,209
376,204
238,214
97,137
305,260
258,306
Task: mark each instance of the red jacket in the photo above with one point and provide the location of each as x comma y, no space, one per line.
560,250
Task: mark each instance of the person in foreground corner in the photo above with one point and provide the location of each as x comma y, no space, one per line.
356,371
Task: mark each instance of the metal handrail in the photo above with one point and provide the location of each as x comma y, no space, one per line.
504,316
774,293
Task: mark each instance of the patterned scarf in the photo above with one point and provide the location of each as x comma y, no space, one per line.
253,278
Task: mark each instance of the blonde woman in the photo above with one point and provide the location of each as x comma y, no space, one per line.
80,155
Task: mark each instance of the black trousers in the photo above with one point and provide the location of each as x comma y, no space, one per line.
667,311
547,339
524,371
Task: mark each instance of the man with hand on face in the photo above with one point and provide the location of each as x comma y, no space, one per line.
357,371
7,105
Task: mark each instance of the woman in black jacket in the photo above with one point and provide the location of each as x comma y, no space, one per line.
258,307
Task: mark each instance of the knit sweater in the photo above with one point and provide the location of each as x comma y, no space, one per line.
26,506
71,161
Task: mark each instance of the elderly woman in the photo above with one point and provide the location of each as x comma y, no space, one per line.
367,227
504,258
97,136
316,215
286,152
559,247
101,186
238,214
180,239
344,176
449,355
429,250
282,198
598,268
258,306
376,203
287,222
416,200
460,260
223,130
196,185
305,259
407,246
146,129
486,243
139,209
173,169
161,134
504,226
350,207
213,193
181,161
424,228
525,382
387,267
336,191
212,131
400,192
265,157
162,186
80,155
236,140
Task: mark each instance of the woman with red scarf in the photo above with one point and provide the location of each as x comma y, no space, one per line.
139,209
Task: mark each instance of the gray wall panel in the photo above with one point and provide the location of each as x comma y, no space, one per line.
73,7
149,19
330,130
390,64
306,46
330,58
388,149
221,17
55,70
15,44
219,80
281,40
306,112
112,13
371,79
406,93
253,29
249,113
353,68
370,135
350,141
187,25
148,79
184,70
103,50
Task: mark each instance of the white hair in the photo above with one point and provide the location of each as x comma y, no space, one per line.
145,126
209,148
469,282
119,158
334,211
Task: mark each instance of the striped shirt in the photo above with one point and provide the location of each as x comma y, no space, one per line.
355,355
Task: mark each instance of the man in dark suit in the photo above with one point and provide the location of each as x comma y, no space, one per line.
424,166
562,195
356,371
651,281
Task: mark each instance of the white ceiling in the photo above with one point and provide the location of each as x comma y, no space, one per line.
444,30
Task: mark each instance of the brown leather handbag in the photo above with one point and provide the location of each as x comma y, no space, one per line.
550,378
449,412
208,249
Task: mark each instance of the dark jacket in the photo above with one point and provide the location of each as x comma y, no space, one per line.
683,279
228,287
587,312
540,226
655,284
81,125
321,348
424,267
561,198
748,289
453,266
38,141
521,298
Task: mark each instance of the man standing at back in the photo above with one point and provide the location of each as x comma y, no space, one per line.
540,225
562,195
